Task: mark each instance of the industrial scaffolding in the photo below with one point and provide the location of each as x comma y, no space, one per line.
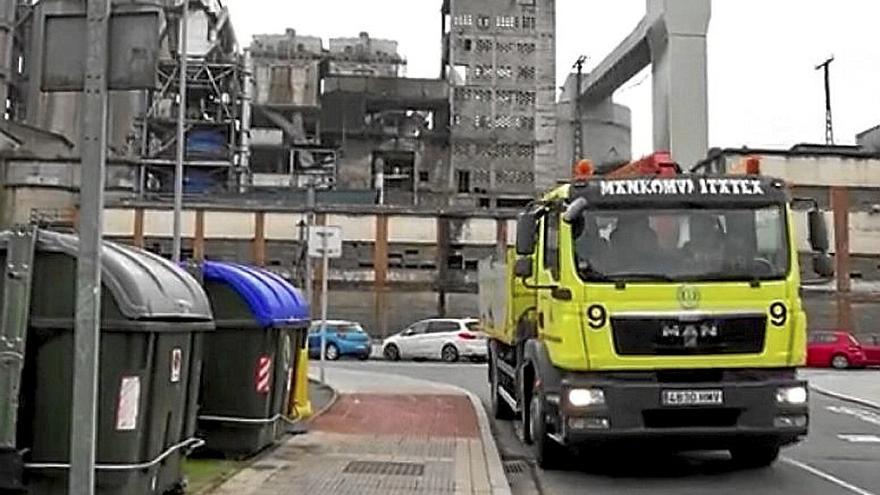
215,101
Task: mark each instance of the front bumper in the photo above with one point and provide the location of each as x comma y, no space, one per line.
634,411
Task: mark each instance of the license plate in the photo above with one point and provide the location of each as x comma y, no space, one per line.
693,397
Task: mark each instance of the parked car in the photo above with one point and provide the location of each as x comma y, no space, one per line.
447,339
837,349
344,338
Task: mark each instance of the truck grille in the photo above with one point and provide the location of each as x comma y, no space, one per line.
671,337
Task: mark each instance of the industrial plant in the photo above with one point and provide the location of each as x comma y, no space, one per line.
424,175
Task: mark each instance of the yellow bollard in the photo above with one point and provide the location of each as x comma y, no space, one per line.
300,405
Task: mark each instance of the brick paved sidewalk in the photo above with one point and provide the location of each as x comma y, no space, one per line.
381,443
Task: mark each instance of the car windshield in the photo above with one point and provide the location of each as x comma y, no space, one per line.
671,244
338,328
474,326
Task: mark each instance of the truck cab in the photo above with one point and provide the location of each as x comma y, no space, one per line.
653,308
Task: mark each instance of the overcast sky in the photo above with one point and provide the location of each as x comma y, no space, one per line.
763,89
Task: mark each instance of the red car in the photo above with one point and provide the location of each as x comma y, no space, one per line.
841,350
871,346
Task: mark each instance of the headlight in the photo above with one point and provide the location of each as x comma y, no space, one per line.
791,395
583,397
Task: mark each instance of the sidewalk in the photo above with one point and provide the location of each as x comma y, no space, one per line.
385,435
859,386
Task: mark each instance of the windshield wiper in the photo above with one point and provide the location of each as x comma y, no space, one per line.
639,277
586,269
727,276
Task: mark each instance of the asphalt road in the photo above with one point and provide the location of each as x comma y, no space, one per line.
840,457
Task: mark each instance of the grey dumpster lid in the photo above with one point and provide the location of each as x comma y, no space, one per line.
145,286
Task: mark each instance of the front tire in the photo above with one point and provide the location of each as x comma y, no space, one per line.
840,362
548,453
449,354
391,353
755,456
331,352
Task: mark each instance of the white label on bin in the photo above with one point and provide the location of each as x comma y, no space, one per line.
176,360
128,403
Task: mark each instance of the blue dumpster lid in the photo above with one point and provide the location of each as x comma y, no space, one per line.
144,286
272,300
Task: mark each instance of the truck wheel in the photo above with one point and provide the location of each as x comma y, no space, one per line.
500,408
548,453
754,456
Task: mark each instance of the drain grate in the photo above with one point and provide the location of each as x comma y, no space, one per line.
515,467
385,468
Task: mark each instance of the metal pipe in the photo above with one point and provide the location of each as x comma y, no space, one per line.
190,444
181,135
324,276
246,117
87,329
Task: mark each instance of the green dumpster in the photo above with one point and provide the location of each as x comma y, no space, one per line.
152,321
261,323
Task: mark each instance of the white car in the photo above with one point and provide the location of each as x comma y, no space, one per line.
447,339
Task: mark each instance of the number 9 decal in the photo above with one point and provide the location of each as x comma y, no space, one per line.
596,316
778,314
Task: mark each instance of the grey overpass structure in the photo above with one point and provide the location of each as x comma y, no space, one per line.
672,40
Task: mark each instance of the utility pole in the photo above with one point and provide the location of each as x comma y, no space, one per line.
87,326
311,201
578,126
829,123
181,135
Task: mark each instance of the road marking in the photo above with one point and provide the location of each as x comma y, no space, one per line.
866,416
827,477
860,438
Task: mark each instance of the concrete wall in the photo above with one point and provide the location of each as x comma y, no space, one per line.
811,169
403,308
870,140
822,315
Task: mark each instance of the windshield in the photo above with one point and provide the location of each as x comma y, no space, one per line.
338,328
682,244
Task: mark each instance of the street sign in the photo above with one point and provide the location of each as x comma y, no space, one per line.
321,238
324,243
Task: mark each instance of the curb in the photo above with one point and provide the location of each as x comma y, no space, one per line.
843,397
497,478
320,412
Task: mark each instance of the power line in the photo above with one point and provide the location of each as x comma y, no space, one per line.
829,123
578,127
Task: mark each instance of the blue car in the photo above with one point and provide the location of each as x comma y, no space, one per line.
344,338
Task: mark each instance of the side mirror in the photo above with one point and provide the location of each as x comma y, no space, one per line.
575,211
408,332
526,230
523,268
823,265
818,231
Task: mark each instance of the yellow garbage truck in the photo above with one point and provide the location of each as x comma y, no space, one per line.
652,306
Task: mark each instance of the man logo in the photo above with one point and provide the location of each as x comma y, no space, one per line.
688,297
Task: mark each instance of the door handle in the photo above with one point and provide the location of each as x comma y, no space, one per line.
541,320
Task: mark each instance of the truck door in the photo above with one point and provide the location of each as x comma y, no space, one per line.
548,273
